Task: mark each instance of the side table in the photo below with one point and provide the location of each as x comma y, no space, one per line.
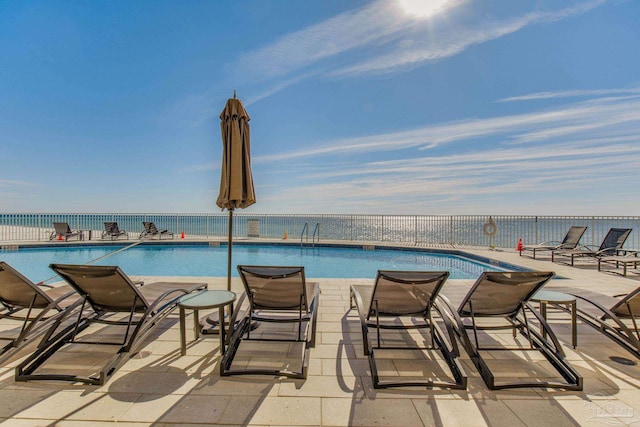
201,301
545,297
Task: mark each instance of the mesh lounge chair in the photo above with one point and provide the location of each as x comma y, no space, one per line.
621,322
275,294
150,231
505,295
62,229
570,241
410,296
110,298
112,231
26,309
611,245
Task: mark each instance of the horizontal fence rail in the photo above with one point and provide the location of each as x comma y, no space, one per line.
450,230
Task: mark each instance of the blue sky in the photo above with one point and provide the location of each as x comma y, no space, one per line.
384,106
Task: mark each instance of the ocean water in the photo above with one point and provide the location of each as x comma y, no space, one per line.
411,229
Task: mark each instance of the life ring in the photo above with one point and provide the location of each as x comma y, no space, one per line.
490,228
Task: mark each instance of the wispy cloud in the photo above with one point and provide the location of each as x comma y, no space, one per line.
572,121
591,147
572,94
376,22
434,47
390,40
11,183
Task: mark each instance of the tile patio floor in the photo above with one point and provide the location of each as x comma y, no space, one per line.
159,387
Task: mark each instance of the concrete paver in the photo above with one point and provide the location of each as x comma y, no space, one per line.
158,387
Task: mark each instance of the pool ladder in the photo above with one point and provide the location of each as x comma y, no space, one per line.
305,234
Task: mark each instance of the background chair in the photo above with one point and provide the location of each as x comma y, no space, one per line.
62,229
112,231
110,298
150,230
403,301
570,241
278,295
504,296
611,245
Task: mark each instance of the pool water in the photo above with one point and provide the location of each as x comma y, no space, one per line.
201,260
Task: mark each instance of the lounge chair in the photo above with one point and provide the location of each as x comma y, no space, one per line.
611,245
112,231
621,322
109,298
62,229
275,294
570,241
404,301
150,231
27,310
504,296
631,258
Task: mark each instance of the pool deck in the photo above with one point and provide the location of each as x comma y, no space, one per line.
159,387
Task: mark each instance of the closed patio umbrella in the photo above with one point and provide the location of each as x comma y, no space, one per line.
236,181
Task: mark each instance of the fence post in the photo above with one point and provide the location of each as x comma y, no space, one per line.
451,230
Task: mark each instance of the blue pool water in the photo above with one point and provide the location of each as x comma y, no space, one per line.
201,260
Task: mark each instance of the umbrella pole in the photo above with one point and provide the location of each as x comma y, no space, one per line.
229,249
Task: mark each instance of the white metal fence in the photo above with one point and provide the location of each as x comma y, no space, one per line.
453,230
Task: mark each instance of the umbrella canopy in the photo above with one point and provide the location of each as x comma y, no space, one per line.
236,181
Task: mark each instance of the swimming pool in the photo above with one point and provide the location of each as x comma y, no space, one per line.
204,260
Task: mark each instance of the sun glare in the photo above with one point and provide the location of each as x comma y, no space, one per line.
422,8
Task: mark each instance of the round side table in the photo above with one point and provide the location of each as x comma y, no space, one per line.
545,297
201,301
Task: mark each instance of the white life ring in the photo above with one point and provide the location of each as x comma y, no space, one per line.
490,228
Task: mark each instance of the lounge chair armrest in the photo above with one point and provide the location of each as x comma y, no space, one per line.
608,314
448,315
37,321
357,298
589,247
313,308
549,243
56,305
233,321
605,250
447,309
164,296
546,327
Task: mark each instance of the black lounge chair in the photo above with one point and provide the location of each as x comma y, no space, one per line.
110,298
112,231
28,309
150,231
611,245
62,229
621,322
570,241
402,301
499,296
275,294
